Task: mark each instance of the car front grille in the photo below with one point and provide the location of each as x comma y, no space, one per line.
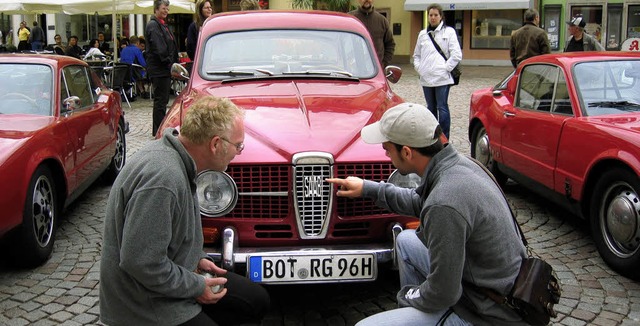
264,192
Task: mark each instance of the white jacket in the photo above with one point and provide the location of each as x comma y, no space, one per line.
430,65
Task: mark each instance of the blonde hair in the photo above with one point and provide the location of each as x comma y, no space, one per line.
209,116
249,5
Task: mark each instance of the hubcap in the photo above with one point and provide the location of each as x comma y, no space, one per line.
43,211
622,218
482,149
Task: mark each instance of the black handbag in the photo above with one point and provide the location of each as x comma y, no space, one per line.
536,288
456,72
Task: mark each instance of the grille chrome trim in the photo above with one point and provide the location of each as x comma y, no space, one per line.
266,194
312,196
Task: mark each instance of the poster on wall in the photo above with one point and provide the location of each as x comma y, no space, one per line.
552,25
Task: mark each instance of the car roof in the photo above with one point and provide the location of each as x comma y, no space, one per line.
282,19
568,59
50,59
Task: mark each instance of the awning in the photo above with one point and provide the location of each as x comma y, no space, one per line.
421,5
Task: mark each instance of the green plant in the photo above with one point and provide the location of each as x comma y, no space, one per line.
332,5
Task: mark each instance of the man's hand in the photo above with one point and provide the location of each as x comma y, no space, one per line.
208,297
205,265
350,187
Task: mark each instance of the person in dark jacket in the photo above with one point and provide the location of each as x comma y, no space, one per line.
104,46
37,37
528,40
161,53
73,50
378,27
204,9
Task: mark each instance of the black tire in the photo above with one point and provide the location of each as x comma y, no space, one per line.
119,157
481,151
36,235
615,221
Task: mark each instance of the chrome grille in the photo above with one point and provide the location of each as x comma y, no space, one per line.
312,195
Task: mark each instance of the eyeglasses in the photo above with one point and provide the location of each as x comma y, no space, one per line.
239,146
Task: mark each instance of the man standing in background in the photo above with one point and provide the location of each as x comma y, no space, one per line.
378,27
529,40
579,40
37,37
161,53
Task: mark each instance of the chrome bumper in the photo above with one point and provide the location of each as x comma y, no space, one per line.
232,253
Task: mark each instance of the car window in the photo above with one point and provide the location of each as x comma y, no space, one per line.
278,52
536,87
26,89
75,81
608,87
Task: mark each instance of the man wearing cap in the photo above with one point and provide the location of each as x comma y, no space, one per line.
466,236
529,40
579,40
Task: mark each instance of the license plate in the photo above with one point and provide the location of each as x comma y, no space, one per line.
312,268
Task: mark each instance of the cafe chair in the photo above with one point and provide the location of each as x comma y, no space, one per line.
119,73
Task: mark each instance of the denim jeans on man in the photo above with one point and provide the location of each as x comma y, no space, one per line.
414,265
438,103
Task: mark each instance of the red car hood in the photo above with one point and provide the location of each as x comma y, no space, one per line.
629,122
17,129
284,118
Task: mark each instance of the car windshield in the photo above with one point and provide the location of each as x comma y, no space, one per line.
608,87
260,53
25,89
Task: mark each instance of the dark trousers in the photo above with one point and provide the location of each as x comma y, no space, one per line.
161,92
245,302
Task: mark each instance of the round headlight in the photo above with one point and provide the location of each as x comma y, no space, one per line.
410,180
217,193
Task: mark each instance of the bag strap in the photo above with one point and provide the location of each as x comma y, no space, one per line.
437,46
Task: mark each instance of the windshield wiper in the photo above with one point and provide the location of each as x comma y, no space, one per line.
231,72
613,104
319,72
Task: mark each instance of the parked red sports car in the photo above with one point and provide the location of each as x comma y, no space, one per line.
309,81
60,128
568,127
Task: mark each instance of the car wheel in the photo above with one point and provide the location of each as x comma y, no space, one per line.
615,221
481,151
37,232
119,157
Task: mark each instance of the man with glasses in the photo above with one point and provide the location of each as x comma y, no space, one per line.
152,253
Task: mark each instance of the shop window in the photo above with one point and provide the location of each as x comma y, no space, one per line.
491,29
633,22
593,16
614,27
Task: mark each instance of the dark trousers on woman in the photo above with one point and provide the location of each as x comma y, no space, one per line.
24,46
161,92
245,302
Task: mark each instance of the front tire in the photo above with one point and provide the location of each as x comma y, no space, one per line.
36,235
481,151
615,221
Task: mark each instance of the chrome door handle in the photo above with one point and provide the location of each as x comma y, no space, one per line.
507,114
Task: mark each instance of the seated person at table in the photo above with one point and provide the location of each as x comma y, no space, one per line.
132,54
94,50
73,50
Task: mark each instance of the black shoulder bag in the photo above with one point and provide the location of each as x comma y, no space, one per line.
456,72
536,288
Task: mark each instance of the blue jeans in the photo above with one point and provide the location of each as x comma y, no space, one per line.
438,103
414,265
37,46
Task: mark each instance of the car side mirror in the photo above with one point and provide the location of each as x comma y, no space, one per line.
70,103
393,73
179,72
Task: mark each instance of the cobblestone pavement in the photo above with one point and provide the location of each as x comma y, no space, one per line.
64,291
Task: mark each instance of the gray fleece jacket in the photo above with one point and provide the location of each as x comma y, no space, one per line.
466,224
152,240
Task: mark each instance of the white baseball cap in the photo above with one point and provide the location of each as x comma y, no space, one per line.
407,124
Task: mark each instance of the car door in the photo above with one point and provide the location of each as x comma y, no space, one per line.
532,130
87,124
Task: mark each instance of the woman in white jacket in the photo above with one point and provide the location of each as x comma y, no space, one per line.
434,70
94,51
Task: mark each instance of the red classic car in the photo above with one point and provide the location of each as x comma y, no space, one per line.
309,81
60,128
568,127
